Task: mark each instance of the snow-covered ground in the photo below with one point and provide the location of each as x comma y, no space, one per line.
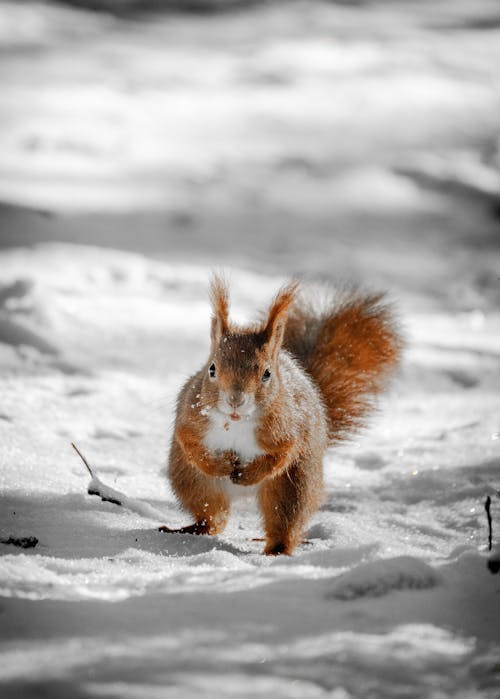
257,142
390,597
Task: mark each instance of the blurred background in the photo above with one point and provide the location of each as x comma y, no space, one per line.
357,139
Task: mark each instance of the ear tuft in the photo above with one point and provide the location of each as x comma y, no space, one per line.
219,299
278,314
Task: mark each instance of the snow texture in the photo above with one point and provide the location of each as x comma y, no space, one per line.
352,141
378,578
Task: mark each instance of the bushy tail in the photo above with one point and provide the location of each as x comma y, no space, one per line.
348,342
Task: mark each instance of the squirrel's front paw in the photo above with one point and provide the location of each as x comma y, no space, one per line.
226,463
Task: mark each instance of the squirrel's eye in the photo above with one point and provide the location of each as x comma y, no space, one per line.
211,371
266,375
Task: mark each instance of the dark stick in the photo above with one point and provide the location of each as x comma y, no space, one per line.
82,458
487,506
104,498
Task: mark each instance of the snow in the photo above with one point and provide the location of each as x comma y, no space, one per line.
395,565
381,577
107,243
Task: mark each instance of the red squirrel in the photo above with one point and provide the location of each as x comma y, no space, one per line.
269,401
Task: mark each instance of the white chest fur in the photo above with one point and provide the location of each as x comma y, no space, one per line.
224,433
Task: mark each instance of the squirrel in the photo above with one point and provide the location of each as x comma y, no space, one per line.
269,401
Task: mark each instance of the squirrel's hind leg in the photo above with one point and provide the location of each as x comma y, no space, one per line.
286,502
203,496
211,517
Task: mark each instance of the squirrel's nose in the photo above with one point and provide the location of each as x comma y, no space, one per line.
236,399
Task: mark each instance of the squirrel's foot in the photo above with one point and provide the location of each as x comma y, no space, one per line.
278,549
197,528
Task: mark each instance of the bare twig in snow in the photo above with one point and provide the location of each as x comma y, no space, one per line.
487,506
108,494
82,458
94,488
494,560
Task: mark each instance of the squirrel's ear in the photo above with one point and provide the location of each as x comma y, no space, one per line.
278,314
219,298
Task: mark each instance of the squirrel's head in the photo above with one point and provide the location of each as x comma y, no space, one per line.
242,372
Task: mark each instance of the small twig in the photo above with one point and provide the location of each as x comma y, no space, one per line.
104,498
93,489
487,506
82,458
107,494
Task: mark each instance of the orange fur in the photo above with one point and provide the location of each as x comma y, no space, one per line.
351,347
287,387
278,314
219,298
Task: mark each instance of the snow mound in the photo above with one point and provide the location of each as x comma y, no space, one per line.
378,578
132,572
15,334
